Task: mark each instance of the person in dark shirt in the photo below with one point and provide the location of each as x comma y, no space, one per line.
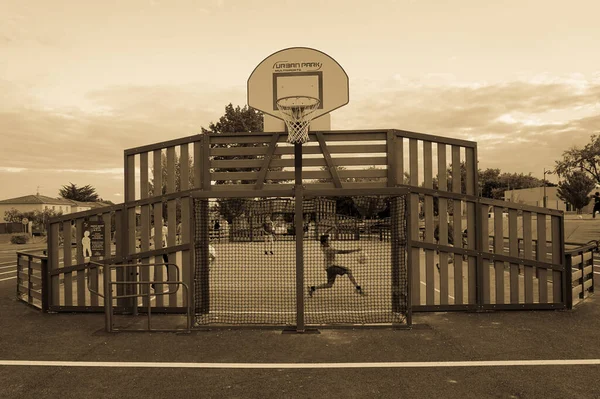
596,204
333,270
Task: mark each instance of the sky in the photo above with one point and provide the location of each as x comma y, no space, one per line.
81,81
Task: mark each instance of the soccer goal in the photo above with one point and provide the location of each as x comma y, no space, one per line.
281,260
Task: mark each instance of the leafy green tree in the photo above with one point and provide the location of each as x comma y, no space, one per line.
237,120
576,189
586,159
38,218
83,194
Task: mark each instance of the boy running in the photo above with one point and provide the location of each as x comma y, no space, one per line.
332,269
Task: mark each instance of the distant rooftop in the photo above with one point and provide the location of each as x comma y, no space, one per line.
37,199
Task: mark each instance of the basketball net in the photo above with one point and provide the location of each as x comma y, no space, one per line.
297,113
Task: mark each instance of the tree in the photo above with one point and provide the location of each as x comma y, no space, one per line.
163,166
575,189
586,159
83,194
237,120
38,218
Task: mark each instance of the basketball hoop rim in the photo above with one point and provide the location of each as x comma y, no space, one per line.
316,102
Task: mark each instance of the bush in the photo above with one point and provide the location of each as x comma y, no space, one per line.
19,239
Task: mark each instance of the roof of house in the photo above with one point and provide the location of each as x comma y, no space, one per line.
92,205
36,199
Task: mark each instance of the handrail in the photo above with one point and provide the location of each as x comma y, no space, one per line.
108,297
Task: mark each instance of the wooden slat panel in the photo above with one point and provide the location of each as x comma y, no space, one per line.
399,160
457,224
354,136
443,223
392,157
238,151
53,263
131,273
587,284
576,275
541,256
458,260
266,162
456,177
414,222
499,249
471,189
157,225
527,254
333,149
144,183
186,267
81,279
576,292
92,275
205,172
289,175
198,164
243,139
429,225
588,270
67,261
35,294
485,267
513,250
145,223
306,162
171,222
331,169
557,284
36,280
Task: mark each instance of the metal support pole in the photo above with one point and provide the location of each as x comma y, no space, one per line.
107,287
545,200
298,220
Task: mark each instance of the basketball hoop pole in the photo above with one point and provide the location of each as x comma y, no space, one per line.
299,238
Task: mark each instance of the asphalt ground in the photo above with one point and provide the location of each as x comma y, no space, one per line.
348,363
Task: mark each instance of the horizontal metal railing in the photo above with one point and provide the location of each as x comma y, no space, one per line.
108,296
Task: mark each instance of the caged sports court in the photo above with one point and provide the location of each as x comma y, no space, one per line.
302,227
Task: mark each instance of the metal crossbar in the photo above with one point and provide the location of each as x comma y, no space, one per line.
109,297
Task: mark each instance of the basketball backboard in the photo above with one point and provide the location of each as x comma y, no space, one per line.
298,71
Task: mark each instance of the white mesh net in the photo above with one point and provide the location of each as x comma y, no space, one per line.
297,112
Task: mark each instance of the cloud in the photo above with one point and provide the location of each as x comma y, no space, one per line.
519,126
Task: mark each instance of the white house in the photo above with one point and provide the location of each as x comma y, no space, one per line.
38,202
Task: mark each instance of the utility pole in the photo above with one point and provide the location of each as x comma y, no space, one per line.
545,198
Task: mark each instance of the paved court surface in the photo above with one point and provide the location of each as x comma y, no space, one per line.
544,354
336,363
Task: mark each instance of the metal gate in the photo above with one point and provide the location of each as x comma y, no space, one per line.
271,268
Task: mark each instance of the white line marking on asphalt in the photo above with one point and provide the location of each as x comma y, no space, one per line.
12,271
482,363
7,267
8,262
10,278
435,289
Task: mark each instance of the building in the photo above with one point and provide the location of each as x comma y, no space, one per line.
535,196
30,203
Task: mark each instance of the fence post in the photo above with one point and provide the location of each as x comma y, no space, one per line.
18,278
569,285
45,285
